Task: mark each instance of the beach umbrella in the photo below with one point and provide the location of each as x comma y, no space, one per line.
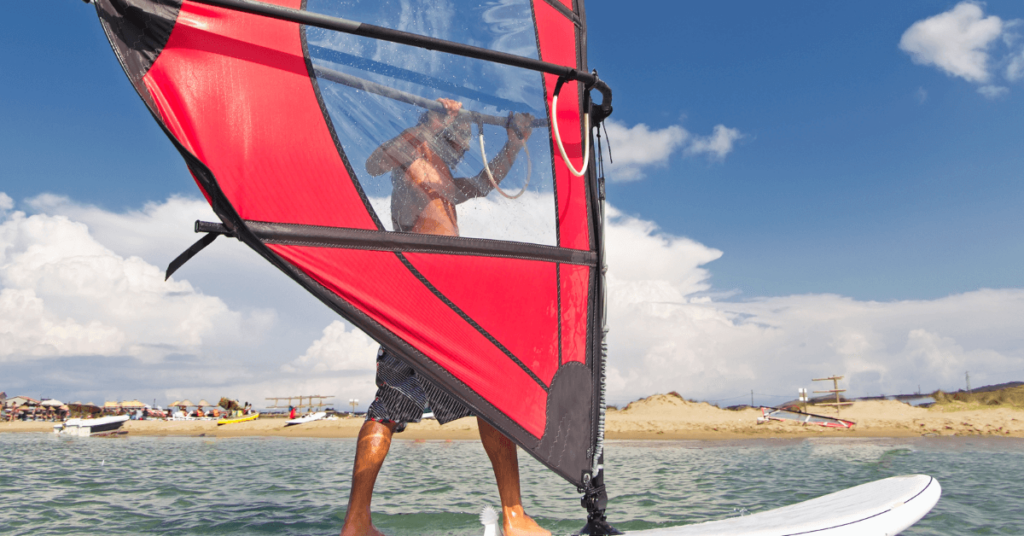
186,403
203,403
174,404
53,402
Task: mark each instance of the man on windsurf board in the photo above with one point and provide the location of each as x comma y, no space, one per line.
423,200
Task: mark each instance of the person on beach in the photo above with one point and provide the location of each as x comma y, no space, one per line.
424,197
291,412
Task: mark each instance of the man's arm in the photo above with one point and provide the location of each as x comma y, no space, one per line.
519,130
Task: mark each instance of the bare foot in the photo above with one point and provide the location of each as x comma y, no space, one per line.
360,527
517,523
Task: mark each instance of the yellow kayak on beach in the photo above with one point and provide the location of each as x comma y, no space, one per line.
245,418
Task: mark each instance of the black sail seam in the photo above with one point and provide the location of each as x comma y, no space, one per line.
469,320
330,126
551,139
558,287
560,7
385,336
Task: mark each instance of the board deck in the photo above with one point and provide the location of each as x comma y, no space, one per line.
883,508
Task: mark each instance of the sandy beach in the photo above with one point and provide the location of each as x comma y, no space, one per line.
655,417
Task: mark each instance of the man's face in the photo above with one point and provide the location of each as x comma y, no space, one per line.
455,143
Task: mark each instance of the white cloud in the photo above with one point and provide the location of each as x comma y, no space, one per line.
528,218
717,145
6,203
342,347
993,92
638,147
964,43
666,334
63,293
91,321
1015,67
956,41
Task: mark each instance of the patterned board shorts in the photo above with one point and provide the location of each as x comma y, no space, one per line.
402,395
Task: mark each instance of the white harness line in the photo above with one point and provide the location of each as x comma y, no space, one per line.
558,139
487,169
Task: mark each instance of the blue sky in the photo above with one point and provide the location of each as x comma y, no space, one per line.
856,171
844,181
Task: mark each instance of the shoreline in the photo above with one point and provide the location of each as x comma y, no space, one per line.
659,417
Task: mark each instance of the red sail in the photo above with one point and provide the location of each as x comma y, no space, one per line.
505,316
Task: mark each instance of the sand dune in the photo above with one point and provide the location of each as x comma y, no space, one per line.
655,417
670,417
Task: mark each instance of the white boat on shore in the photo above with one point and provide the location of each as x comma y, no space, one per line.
307,418
102,427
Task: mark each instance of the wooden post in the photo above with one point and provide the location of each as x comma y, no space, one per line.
836,390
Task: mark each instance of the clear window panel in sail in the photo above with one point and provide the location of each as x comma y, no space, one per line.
422,167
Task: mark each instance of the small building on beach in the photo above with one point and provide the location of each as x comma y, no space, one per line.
18,401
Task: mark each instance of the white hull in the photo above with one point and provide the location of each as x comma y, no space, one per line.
91,427
308,418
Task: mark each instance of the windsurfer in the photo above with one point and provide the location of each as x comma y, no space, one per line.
423,200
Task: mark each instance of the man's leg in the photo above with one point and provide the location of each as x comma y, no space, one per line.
502,453
371,449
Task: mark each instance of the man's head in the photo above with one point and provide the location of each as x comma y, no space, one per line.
453,142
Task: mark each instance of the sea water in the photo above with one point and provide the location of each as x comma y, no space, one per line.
200,485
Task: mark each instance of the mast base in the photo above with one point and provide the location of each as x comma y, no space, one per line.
598,526
595,500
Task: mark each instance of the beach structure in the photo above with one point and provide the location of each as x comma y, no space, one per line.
132,405
835,390
19,401
21,407
303,401
27,408
81,409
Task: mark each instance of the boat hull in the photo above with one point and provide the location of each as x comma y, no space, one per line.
102,427
246,418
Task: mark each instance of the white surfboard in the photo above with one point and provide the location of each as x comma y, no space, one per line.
880,508
308,418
